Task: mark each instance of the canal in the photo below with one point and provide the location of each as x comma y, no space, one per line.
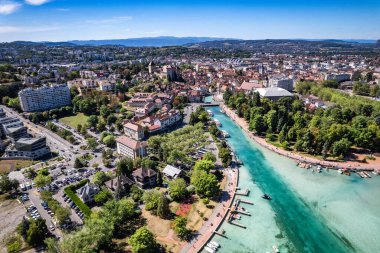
309,212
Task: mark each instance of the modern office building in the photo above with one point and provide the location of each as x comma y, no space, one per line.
28,148
44,98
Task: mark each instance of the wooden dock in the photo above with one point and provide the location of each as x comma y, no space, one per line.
245,201
237,224
243,212
220,234
243,193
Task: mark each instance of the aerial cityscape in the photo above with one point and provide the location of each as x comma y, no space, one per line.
205,126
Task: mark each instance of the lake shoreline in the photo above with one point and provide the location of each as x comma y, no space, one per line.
293,155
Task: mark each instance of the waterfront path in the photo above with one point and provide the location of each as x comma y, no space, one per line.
296,156
218,215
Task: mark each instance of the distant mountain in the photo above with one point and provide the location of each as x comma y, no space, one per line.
146,42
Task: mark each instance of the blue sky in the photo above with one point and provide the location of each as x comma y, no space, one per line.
61,20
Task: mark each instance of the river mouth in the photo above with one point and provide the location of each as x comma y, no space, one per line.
309,212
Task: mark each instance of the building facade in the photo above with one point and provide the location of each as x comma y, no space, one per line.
44,98
131,148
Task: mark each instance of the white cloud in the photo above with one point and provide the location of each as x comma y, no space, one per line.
114,20
27,29
8,7
36,2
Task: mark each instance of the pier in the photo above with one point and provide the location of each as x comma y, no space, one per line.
243,193
237,224
245,201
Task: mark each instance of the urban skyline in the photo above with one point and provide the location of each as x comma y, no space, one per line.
44,20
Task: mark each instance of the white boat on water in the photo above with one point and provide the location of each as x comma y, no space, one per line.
210,250
225,134
215,243
211,246
210,113
217,122
340,171
319,169
275,249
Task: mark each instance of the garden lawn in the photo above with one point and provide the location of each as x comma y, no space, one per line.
74,121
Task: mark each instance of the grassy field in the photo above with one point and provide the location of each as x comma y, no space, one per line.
11,165
74,121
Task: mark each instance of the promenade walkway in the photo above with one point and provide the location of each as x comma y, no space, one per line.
217,217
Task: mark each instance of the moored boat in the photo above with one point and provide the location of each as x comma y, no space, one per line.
215,243
210,113
217,122
275,249
209,250
266,196
211,246
225,134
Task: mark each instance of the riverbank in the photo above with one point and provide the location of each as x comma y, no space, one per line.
218,215
296,156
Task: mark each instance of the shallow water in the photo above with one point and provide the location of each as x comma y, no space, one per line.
309,212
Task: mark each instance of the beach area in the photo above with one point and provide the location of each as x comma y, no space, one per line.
348,165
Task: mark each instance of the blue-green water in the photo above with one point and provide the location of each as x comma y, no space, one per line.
308,212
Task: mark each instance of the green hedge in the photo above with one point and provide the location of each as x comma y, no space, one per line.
70,192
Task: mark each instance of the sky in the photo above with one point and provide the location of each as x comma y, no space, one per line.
63,20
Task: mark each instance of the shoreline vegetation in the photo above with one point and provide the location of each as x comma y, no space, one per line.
296,155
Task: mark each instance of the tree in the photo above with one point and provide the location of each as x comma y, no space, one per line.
163,210
109,141
6,184
206,185
92,120
225,156
208,156
79,163
101,126
340,148
100,178
146,163
104,111
257,124
136,193
92,143
143,241
124,166
179,226
151,199
37,232
40,180
103,196
52,245
177,189
204,165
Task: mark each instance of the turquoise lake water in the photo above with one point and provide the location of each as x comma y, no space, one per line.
309,212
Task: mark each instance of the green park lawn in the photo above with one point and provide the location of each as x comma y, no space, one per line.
74,121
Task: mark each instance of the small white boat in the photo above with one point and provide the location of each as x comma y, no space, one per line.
225,134
217,122
211,246
215,243
209,250
340,171
210,113
319,169
275,249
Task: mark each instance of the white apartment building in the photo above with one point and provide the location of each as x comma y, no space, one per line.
131,148
44,98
